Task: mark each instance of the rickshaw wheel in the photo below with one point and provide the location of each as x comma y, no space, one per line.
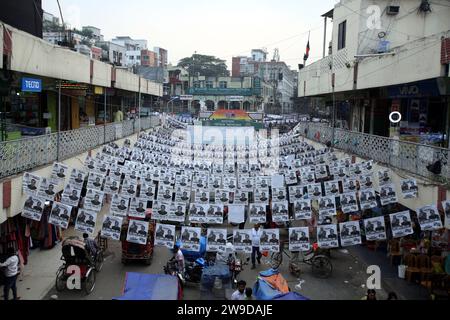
60,279
89,282
99,261
321,267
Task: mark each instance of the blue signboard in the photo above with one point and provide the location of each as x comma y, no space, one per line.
425,88
31,85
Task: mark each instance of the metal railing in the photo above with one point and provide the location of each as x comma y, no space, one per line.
408,156
24,154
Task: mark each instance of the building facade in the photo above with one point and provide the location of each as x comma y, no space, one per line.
397,62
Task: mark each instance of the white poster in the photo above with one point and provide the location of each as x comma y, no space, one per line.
119,205
384,177
111,227
182,194
236,213
197,212
291,177
59,171
202,196
89,164
349,203
223,196
261,195
160,210
367,199
270,240
165,193
321,171
60,215
93,200
387,194
33,208
71,196
299,239
446,206
30,184
246,183
349,185
429,218
47,189
375,228
138,206
263,182
86,221
229,183
302,209
277,181
190,238
409,188
165,235
280,211
401,224
296,193
241,197
112,185
137,232
327,236
216,240
214,214
257,213
242,240
314,190
95,181
77,178
177,212
327,207
279,194
128,188
366,181
332,188
350,233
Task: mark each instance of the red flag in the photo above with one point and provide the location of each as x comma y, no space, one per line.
306,56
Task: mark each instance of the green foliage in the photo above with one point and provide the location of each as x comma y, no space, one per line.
204,65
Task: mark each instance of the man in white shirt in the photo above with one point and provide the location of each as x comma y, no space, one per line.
11,273
179,257
239,294
256,236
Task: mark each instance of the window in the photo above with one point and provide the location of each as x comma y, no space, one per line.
209,84
222,84
342,35
196,84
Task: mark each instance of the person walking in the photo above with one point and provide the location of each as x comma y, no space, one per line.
11,272
256,236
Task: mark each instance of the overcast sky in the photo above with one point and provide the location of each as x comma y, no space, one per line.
221,28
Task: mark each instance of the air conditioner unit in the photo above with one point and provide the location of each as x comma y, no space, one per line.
393,10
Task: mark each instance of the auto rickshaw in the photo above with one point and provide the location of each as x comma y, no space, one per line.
137,252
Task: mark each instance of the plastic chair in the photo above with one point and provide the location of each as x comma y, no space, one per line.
412,267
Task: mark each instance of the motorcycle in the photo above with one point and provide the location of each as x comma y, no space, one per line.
236,266
192,270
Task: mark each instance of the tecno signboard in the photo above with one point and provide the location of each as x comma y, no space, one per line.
31,85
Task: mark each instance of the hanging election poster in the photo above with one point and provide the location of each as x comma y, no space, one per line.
302,209
242,240
257,212
93,200
60,215
280,211
165,235
138,206
86,221
299,239
367,199
190,238
350,233
327,236
387,194
137,232
375,229
327,207
216,240
429,218
71,196
409,188
270,240
401,224
214,214
119,205
59,172
30,184
112,227
349,203
33,208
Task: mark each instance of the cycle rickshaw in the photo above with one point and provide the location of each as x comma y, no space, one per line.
74,253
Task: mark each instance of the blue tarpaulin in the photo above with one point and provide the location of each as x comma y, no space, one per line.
264,291
290,296
141,286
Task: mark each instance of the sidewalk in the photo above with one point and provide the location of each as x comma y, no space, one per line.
389,274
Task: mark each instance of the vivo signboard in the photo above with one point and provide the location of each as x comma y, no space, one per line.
31,85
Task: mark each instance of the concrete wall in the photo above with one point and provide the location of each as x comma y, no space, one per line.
126,80
102,74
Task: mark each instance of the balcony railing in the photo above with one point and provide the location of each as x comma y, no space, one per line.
408,156
19,155
225,92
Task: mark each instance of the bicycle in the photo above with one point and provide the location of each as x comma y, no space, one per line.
321,265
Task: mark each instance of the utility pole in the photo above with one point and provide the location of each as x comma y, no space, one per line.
59,119
104,118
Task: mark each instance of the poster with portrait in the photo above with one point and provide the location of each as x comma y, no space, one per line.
388,194
111,227
270,240
223,196
340,173
279,194
230,183
71,196
77,178
409,188
214,214
183,180
102,167
137,232
215,182
165,193
384,177
246,183
446,207
182,194
367,167
367,199
95,181
302,209
197,212
327,207
321,171
86,221
190,238
349,185
59,172
263,182
89,164
280,211
47,189
291,177
257,213
401,225
60,215
30,184
201,195
350,233
160,210
115,172
261,195
241,197
93,200
176,212
314,190
33,208
119,205
138,206
200,180
332,188
111,185
429,218
327,236
165,235
216,240
366,181
349,203
375,228
299,239
242,240
296,193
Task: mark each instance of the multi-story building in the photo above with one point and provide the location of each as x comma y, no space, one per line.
148,58
133,58
96,53
96,33
162,57
398,61
115,53
259,55
130,44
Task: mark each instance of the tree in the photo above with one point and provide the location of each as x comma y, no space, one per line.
203,65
